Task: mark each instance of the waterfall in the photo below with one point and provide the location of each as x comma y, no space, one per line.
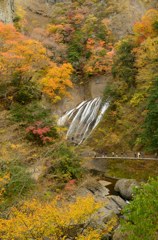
82,119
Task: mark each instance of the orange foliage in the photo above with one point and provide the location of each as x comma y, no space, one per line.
24,61
86,38
145,28
101,57
19,54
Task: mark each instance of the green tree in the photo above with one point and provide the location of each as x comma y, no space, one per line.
150,134
124,63
141,218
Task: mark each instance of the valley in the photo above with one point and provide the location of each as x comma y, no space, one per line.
78,120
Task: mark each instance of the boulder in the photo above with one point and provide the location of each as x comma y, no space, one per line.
125,187
94,188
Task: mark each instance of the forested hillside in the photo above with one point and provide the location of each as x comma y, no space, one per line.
131,121
93,64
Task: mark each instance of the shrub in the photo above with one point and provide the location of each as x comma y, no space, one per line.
27,93
40,133
30,113
65,164
19,180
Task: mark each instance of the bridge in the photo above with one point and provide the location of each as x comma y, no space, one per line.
127,158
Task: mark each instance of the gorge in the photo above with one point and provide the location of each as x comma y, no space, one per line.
78,107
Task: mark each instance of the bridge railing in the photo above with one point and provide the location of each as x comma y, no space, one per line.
127,158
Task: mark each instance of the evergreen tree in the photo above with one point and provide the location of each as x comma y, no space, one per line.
150,134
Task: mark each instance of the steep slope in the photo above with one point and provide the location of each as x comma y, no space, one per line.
120,14
131,122
123,14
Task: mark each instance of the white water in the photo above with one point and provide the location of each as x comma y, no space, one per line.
83,119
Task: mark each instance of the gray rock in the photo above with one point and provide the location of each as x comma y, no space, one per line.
101,193
115,203
6,10
102,217
125,187
118,200
109,216
93,188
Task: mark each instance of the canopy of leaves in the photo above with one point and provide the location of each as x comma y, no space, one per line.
133,91
82,28
55,220
148,26
57,80
23,62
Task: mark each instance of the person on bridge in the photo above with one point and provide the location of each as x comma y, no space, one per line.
138,154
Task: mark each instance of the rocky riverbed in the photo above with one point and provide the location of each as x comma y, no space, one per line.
113,194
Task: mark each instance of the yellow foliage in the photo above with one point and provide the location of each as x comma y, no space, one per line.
35,220
3,181
26,61
111,224
90,235
52,28
146,63
57,80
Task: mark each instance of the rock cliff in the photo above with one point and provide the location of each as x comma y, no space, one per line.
6,10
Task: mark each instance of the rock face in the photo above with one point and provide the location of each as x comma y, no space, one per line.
6,10
124,13
125,187
112,205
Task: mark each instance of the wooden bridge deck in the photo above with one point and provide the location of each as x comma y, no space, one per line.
126,158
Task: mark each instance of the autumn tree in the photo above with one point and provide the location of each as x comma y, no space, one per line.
133,98
55,220
23,63
148,26
19,63
86,37
57,80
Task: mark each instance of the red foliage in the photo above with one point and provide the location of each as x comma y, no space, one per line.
70,186
39,133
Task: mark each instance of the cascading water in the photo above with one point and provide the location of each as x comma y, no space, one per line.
83,119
